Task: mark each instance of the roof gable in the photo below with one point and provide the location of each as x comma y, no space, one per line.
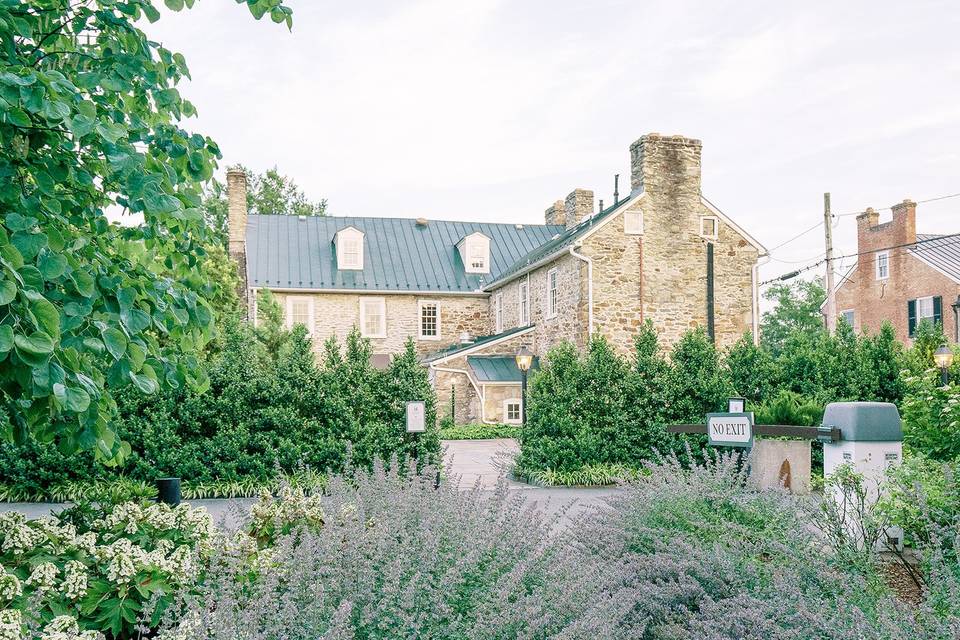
942,252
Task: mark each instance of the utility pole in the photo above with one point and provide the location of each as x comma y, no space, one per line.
828,239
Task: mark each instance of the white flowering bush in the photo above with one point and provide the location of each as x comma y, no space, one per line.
108,571
291,510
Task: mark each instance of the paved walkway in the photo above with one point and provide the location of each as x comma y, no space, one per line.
469,462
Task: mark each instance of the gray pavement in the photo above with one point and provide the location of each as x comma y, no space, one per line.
469,463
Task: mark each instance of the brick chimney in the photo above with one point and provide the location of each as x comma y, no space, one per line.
237,210
556,214
578,206
905,222
237,226
665,164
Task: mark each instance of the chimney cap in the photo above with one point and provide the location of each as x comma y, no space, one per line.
422,222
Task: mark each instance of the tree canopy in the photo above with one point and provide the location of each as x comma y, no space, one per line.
90,118
797,310
269,192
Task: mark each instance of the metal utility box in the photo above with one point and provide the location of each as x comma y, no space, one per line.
871,438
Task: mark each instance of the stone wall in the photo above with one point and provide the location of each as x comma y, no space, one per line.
336,314
873,300
494,395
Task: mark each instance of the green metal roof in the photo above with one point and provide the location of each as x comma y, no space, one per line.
497,368
566,238
454,349
288,252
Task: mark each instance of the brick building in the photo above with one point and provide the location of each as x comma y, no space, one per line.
471,294
901,276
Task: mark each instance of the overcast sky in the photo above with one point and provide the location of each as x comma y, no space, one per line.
491,110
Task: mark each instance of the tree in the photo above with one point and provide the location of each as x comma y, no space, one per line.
797,310
90,118
267,193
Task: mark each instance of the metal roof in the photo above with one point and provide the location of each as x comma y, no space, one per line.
481,341
497,368
289,252
942,252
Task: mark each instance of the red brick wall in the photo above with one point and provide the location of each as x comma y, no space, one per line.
873,300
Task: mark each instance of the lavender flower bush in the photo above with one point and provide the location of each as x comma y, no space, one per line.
682,553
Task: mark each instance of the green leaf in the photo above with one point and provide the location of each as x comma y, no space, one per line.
48,318
6,338
71,399
16,222
144,383
116,342
31,277
38,343
52,265
8,291
83,282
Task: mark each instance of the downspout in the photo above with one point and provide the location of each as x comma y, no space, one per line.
589,262
472,384
754,284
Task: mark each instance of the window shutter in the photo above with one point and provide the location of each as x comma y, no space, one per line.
911,317
937,310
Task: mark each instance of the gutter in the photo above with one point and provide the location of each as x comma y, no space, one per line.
573,252
754,283
476,388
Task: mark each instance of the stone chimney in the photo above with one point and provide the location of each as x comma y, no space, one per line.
578,206
237,210
237,227
556,214
665,164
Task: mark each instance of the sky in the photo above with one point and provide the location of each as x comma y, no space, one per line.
491,110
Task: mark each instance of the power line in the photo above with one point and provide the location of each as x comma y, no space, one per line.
856,213
799,235
794,274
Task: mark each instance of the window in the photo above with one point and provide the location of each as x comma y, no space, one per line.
300,311
498,312
552,293
848,316
929,309
373,318
349,249
883,265
709,227
633,223
475,252
429,320
512,411
524,303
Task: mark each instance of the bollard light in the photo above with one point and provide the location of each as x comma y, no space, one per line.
524,362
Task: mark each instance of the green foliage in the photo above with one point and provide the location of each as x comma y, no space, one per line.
937,482
266,414
451,431
267,193
789,408
586,476
797,312
90,118
927,338
931,417
751,369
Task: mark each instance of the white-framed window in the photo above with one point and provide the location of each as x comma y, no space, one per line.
373,317
925,310
300,311
524,302
552,292
512,411
883,265
633,223
709,227
429,325
350,249
848,316
498,312
477,257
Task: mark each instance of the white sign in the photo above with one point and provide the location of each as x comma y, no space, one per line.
730,429
416,416
736,405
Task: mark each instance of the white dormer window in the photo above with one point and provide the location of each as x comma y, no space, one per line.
349,249
475,253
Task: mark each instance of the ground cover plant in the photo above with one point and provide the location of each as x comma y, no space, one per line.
451,431
683,552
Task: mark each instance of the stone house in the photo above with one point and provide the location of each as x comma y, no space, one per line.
470,294
901,276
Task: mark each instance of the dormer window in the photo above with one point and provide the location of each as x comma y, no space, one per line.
349,242
475,253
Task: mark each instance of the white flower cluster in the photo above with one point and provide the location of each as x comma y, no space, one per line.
43,578
74,584
124,560
11,624
19,536
291,508
66,628
10,586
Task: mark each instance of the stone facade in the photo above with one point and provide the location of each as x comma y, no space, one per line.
237,224
336,314
874,300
